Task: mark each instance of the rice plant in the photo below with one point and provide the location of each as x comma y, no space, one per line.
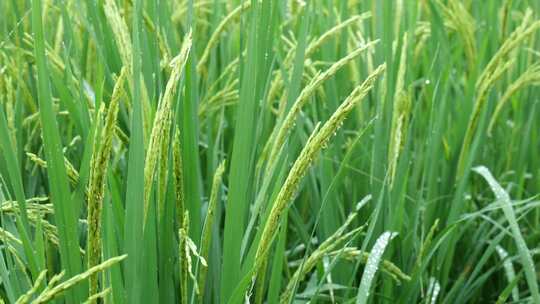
263,151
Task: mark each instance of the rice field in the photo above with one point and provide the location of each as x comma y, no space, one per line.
269,151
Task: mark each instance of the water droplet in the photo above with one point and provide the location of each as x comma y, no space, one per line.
433,290
373,261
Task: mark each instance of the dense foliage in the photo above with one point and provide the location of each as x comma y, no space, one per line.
261,151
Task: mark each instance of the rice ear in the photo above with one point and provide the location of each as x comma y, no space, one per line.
208,224
316,142
400,114
214,39
162,120
98,171
530,77
276,141
491,73
52,290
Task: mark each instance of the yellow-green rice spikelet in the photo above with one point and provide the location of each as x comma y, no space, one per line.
493,71
314,145
400,114
52,291
208,223
162,120
277,141
98,172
